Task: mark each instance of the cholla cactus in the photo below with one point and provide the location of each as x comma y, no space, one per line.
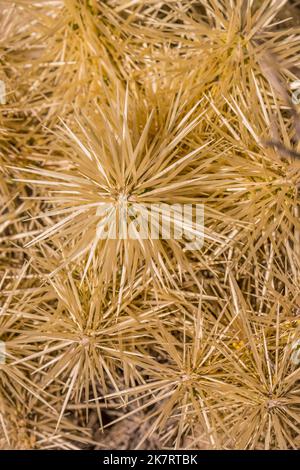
144,103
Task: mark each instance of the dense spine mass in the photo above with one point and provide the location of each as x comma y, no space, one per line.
143,343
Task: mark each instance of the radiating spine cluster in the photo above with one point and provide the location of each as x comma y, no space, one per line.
148,102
